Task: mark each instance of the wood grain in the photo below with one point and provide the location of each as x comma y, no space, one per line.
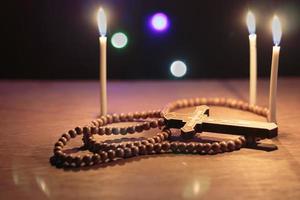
35,113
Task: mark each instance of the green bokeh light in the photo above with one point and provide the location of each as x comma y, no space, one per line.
119,40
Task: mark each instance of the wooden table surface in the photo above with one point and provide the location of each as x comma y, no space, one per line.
35,113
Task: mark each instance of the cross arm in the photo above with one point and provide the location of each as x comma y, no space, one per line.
239,127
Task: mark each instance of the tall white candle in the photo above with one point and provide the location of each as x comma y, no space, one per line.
102,25
253,58
277,33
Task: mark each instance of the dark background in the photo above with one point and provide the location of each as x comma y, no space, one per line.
58,39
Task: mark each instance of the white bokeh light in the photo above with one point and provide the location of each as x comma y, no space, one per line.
178,68
119,40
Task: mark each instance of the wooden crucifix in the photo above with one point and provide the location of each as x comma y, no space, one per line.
199,121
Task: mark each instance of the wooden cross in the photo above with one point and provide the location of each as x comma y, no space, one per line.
199,121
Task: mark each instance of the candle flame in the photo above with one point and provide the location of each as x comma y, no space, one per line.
276,30
102,24
250,20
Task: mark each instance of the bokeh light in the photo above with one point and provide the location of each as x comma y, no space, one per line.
119,40
159,22
178,68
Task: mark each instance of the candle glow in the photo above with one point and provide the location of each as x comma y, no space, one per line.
276,30
102,23
250,20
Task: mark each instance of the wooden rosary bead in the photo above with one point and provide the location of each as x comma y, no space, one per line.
199,147
151,140
72,133
86,159
223,146
144,142
59,143
129,117
109,119
123,131
153,124
121,145
77,160
69,159
174,146
95,123
94,130
243,140
197,101
86,130
142,149
129,144
131,129
101,131
222,101
265,112
216,101
203,101
111,154
149,147
245,106
63,140
103,156
57,148
108,131
136,115
146,125
230,146
115,130
233,103
78,130
206,147
67,136
123,117
136,143
96,158
144,115
166,135
190,147
161,122
182,147
157,139
161,137
100,122
120,152
165,146
104,119
139,128
239,104
185,103
228,102
238,143
134,151
191,103
116,118
127,152
112,147
216,147
210,101
157,147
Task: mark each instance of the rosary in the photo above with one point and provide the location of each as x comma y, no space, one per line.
166,120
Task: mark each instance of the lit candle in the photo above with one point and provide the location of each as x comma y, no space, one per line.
276,30
253,61
102,25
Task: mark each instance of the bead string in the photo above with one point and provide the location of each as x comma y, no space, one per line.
161,143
